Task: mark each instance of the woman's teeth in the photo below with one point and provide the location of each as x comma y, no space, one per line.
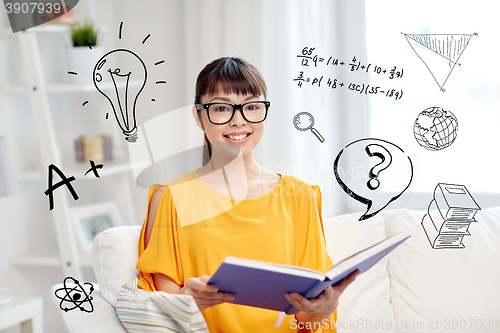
238,137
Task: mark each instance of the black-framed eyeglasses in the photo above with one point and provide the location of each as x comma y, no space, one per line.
222,113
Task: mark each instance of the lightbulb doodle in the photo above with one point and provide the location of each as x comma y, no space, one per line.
122,84
76,297
367,168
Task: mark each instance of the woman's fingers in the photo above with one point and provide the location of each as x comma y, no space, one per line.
342,285
205,295
200,284
224,297
326,302
204,290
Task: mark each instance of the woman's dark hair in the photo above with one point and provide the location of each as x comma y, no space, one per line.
228,75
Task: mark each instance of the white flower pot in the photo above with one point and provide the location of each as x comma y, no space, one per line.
82,60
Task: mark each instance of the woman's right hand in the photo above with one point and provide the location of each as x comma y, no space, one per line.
205,295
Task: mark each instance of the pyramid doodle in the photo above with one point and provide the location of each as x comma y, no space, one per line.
439,52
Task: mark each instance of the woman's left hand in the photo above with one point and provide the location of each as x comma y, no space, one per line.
326,302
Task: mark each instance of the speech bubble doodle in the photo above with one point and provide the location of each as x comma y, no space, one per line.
367,167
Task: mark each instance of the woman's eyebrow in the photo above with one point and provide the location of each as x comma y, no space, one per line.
227,99
221,98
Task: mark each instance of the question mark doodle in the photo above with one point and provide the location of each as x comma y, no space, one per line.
357,156
385,155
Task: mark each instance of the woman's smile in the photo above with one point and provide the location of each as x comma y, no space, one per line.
238,137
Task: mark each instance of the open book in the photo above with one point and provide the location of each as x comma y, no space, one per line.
263,284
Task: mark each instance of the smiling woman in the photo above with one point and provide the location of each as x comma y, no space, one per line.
217,82
233,206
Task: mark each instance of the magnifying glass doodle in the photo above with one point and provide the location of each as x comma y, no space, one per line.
303,125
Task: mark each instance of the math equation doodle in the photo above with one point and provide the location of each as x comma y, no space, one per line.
310,59
440,53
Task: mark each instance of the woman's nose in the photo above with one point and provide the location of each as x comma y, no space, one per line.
238,118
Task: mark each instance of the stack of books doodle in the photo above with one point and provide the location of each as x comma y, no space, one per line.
449,216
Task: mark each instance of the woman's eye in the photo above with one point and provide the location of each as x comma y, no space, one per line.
221,108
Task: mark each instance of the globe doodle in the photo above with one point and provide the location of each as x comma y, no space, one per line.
435,128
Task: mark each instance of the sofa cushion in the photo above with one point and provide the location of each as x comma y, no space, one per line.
115,255
445,289
364,305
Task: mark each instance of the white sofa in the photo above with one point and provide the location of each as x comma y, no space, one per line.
415,289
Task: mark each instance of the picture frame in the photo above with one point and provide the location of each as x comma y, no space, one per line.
89,220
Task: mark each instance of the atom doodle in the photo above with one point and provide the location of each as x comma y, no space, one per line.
74,296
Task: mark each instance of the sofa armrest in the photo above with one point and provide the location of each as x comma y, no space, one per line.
102,319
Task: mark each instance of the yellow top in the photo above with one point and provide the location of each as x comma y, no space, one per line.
283,226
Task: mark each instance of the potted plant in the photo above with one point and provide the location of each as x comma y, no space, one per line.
84,53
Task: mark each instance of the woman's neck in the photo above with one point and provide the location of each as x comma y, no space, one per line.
241,174
241,166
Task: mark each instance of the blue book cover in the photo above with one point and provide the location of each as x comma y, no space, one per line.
263,284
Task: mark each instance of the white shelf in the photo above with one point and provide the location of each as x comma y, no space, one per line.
24,310
109,168
78,169
39,29
12,88
47,258
50,152
54,88
30,175
66,87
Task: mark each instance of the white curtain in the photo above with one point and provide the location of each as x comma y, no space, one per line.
269,34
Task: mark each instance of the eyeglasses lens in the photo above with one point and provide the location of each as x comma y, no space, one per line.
253,112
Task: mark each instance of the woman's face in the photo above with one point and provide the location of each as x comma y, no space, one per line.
237,131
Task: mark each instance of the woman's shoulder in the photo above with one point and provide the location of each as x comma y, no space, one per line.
157,190
297,185
176,181
289,179
184,179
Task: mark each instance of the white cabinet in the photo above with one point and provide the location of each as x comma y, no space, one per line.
67,254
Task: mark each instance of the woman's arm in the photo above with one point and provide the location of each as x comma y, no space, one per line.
316,310
205,295
162,282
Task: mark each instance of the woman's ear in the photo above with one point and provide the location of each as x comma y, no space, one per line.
196,116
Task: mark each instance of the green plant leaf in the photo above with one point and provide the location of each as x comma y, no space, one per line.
84,32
